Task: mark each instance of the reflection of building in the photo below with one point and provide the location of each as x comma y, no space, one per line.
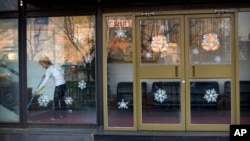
119,37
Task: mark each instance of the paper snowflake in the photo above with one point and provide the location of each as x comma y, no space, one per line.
82,84
210,95
123,104
120,33
68,100
222,25
217,59
148,55
88,58
43,100
195,51
160,95
162,27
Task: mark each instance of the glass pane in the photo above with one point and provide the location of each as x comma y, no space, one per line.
244,64
160,41
120,71
210,101
9,74
160,101
7,5
209,41
63,49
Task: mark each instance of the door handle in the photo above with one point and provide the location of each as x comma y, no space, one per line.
193,71
176,71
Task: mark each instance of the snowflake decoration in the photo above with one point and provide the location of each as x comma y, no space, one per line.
217,59
123,104
162,27
68,100
88,59
149,55
160,95
82,84
120,33
43,100
221,26
195,51
210,95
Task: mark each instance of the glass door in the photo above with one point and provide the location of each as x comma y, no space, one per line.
160,72
184,65
210,69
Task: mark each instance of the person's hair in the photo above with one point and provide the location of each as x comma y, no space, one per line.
45,60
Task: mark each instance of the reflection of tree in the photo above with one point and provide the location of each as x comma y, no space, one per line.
80,34
75,28
37,35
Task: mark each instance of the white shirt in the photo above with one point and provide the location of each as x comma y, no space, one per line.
55,74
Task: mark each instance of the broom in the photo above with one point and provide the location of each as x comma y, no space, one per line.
33,95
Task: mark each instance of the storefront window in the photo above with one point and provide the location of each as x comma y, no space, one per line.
61,69
120,71
7,5
9,74
244,65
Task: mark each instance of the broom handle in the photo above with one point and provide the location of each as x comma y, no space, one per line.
33,95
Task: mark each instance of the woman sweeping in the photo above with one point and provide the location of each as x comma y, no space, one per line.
60,86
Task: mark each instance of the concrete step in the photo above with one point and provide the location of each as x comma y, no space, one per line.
161,136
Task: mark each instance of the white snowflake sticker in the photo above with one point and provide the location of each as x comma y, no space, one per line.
88,58
210,95
195,51
160,95
82,84
120,33
68,100
43,100
149,55
217,59
123,104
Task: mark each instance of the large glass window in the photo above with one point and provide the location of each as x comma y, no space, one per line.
210,101
120,71
7,5
161,101
61,69
244,65
210,41
9,74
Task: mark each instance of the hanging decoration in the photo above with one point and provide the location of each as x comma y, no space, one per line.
160,95
82,84
68,100
210,42
123,104
211,95
43,100
159,43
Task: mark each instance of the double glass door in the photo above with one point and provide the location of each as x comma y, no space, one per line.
184,70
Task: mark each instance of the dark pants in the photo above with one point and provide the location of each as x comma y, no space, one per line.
59,103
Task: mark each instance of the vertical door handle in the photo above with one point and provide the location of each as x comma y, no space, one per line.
193,71
176,71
